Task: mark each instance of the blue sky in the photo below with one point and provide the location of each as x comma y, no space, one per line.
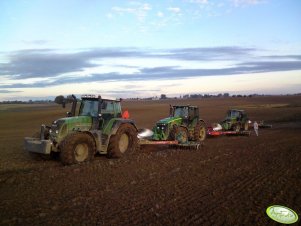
145,48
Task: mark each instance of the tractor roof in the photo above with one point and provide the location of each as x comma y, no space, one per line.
180,106
94,97
236,110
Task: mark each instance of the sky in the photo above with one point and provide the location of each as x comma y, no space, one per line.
136,48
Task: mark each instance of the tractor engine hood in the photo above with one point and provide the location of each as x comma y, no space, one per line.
162,128
62,127
169,120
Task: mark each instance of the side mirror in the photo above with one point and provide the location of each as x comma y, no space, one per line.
69,114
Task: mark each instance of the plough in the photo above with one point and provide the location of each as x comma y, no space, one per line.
213,133
172,143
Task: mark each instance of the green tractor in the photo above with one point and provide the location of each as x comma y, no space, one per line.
235,120
183,125
97,128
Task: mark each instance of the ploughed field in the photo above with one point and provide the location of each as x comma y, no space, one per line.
229,181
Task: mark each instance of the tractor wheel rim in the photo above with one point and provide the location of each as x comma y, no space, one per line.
202,133
81,152
123,142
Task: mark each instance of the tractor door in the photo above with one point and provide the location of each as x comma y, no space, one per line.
107,112
193,116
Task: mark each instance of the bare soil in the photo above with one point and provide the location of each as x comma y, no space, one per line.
229,181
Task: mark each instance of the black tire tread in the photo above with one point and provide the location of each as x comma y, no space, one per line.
68,144
197,128
113,148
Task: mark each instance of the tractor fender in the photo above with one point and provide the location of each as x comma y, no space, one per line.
203,121
119,122
175,126
92,134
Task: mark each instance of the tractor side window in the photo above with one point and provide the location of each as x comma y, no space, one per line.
107,107
118,109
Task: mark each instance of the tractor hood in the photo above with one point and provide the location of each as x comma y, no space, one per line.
170,120
61,127
162,128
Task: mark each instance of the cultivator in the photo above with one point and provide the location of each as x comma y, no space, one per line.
213,133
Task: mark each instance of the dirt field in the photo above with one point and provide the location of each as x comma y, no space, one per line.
230,181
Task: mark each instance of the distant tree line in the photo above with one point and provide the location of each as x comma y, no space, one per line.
26,102
61,99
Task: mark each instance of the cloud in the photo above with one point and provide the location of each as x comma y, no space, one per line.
9,91
241,3
36,42
35,63
49,63
138,9
199,1
160,14
45,68
174,10
208,54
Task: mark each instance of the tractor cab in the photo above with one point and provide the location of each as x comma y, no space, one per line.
101,110
186,112
236,114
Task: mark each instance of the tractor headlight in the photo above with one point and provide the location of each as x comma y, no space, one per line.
161,127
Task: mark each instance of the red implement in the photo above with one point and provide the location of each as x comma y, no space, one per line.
212,133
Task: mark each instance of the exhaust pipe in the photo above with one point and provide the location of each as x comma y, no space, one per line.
74,103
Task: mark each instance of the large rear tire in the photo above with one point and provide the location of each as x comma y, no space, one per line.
200,131
246,126
124,141
77,148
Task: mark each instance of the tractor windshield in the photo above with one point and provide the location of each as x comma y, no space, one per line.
233,114
89,108
181,112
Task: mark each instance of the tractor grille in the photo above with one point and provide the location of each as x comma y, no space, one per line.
161,127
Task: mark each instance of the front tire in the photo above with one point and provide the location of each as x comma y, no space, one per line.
124,141
237,127
77,148
179,134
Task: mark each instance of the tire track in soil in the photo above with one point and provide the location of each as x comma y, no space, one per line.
238,187
228,193
149,200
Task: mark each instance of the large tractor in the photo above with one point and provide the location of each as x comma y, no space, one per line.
183,125
235,120
97,128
